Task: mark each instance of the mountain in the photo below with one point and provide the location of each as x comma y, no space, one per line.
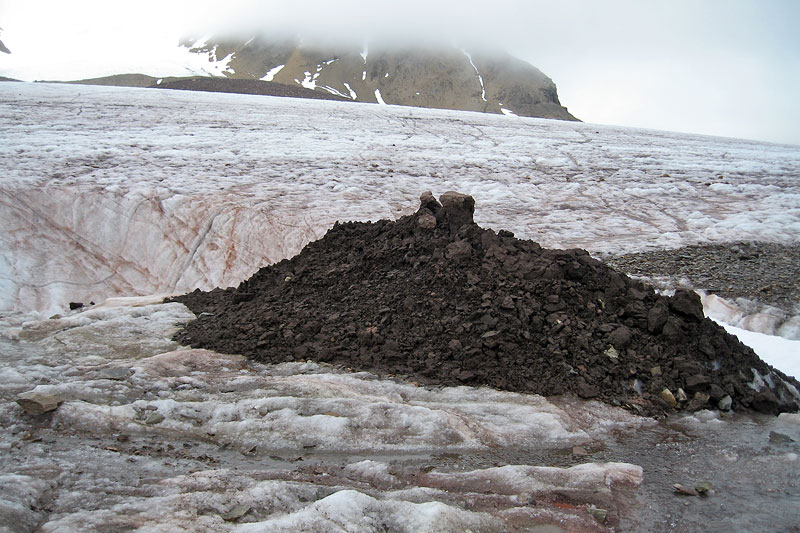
442,77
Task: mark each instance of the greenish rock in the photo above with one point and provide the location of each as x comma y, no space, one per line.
612,353
725,403
235,513
598,514
779,438
703,487
154,418
115,374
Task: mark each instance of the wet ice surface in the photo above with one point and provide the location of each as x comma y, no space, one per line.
150,434
155,436
115,191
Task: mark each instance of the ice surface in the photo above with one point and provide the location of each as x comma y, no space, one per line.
116,191
207,436
783,354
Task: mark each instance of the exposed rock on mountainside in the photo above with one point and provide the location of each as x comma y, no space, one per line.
438,299
445,78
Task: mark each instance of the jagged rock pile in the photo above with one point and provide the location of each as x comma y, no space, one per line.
435,298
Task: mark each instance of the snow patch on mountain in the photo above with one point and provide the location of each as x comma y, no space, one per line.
270,75
480,78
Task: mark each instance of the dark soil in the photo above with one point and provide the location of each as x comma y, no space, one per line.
243,86
435,298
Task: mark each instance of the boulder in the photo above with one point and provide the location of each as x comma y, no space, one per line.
37,403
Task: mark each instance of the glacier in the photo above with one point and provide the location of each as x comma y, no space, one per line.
116,191
121,196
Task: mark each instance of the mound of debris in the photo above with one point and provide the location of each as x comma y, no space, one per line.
435,298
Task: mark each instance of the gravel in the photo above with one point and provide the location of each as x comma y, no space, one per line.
765,273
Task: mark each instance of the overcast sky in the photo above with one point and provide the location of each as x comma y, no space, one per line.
719,67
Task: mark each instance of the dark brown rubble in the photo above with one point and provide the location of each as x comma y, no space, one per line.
435,298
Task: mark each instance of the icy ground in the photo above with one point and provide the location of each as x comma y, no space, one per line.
108,192
153,437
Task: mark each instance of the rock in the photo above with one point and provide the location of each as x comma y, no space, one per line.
655,371
599,514
765,402
620,337
458,250
669,398
681,395
779,438
687,303
154,418
579,451
36,403
235,513
657,317
75,305
428,201
458,208
426,221
703,487
696,383
240,297
612,353
725,403
699,401
587,391
115,374
672,330
685,491
715,391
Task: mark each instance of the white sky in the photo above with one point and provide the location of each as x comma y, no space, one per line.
720,67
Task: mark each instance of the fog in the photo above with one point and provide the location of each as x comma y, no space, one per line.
720,67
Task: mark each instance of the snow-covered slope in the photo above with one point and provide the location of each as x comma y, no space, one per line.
116,191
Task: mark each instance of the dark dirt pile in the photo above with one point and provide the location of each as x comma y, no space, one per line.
435,298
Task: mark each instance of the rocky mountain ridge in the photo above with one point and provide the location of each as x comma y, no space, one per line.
441,77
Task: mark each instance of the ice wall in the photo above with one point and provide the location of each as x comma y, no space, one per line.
115,191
